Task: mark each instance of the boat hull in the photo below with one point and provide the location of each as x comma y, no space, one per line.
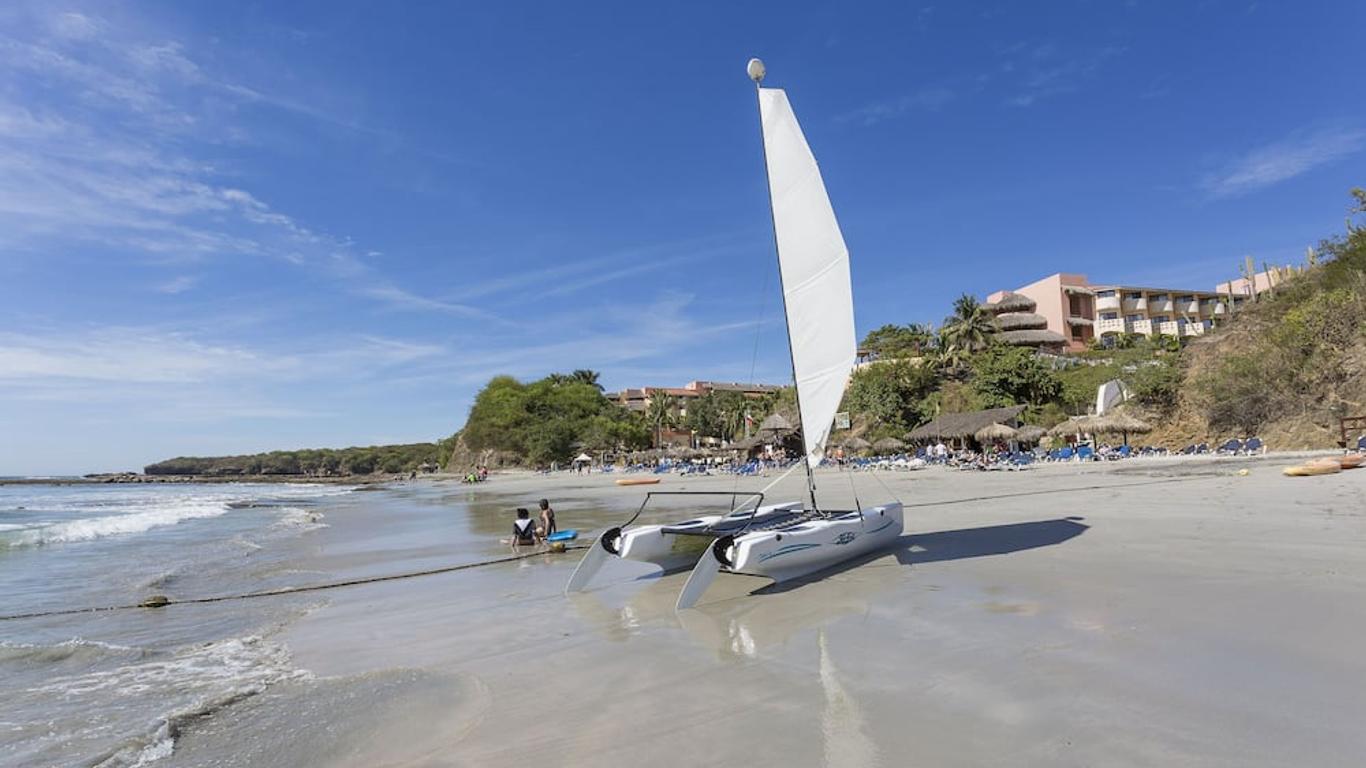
668,549
814,545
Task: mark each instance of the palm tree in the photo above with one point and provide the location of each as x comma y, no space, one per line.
970,327
950,358
965,306
733,411
587,377
923,336
662,412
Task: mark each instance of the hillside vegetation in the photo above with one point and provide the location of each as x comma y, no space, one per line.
314,462
545,421
1288,366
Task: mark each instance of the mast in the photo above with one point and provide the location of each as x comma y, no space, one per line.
756,71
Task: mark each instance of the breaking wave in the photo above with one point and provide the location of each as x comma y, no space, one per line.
106,515
112,525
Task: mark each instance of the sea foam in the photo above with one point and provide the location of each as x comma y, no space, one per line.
112,525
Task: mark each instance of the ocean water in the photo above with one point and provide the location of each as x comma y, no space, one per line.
115,688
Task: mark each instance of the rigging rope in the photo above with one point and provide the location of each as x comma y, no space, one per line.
885,487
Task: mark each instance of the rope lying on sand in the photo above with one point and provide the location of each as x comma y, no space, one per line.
159,601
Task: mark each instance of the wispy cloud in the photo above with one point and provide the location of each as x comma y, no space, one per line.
1280,161
101,135
119,355
930,99
45,358
175,285
1045,72
400,299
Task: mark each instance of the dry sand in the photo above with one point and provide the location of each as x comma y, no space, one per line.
1149,612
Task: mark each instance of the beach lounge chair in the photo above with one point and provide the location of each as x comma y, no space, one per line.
1254,445
1065,454
1085,453
1361,443
1232,446
1124,451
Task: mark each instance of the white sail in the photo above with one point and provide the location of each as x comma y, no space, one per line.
814,268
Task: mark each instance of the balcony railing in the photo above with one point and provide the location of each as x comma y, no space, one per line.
1169,328
1160,305
1190,307
1144,327
1115,325
1107,302
1135,305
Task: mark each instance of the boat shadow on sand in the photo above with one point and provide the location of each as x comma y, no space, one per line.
737,627
957,544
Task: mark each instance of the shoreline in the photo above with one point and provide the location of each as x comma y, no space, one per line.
132,478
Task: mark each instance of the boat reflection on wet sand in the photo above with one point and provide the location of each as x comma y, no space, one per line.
735,625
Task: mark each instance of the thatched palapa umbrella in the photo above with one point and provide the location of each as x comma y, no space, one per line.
775,423
1030,433
1119,421
746,444
1077,425
857,444
994,432
888,444
1123,423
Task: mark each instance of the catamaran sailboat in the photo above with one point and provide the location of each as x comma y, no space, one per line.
784,541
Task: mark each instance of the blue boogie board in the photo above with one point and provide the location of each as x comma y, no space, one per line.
569,535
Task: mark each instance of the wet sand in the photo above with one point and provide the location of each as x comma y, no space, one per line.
1150,612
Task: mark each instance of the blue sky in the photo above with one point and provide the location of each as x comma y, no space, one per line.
230,227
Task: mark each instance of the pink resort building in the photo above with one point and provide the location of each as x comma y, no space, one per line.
1081,310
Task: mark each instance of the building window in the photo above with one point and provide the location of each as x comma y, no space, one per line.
1134,295
1161,319
1109,315
1133,318
1158,297
1186,299
1105,294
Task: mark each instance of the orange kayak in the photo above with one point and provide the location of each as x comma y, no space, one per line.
638,481
1351,460
1313,468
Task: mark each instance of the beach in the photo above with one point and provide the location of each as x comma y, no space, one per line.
1150,611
